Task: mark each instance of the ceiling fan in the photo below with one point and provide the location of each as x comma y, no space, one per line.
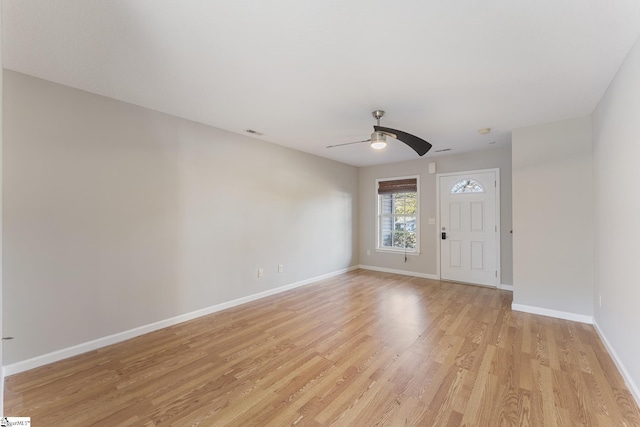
379,137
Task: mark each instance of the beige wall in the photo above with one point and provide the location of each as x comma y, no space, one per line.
426,262
616,151
116,216
553,217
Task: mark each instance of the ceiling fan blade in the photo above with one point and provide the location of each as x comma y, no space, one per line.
348,143
419,145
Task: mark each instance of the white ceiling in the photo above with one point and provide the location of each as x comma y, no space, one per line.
308,73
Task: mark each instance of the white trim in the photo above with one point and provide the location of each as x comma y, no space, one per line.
633,387
468,172
498,220
2,375
438,227
552,313
75,350
505,287
398,252
402,272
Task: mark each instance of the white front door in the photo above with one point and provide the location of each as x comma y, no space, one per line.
469,232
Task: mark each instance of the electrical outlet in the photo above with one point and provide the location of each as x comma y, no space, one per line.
280,268
260,272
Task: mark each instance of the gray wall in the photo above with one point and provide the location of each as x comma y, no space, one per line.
426,262
553,216
616,151
116,216
1,258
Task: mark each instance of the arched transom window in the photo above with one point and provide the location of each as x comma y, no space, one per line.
467,186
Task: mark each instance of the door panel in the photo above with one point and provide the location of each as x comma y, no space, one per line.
477,256
477,216
455,217
469,219
455,250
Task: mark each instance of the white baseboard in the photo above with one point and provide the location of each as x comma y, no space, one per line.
402,272
75,350
552,313
423,275
633,387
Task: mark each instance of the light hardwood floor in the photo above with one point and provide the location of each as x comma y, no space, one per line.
361,349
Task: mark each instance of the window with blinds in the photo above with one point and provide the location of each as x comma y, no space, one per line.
398,214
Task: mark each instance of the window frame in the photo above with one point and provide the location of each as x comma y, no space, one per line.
379,215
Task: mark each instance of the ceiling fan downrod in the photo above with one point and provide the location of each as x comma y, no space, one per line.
378,114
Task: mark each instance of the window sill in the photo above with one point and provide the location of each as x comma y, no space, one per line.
397,251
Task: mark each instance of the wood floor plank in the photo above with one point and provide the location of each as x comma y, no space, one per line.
364,348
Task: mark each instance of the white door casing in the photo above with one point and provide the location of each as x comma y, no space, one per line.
469,215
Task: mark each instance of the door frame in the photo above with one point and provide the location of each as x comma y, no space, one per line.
498,233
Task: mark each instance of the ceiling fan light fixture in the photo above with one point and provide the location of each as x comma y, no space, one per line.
378,140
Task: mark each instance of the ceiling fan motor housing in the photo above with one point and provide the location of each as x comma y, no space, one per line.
378,140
